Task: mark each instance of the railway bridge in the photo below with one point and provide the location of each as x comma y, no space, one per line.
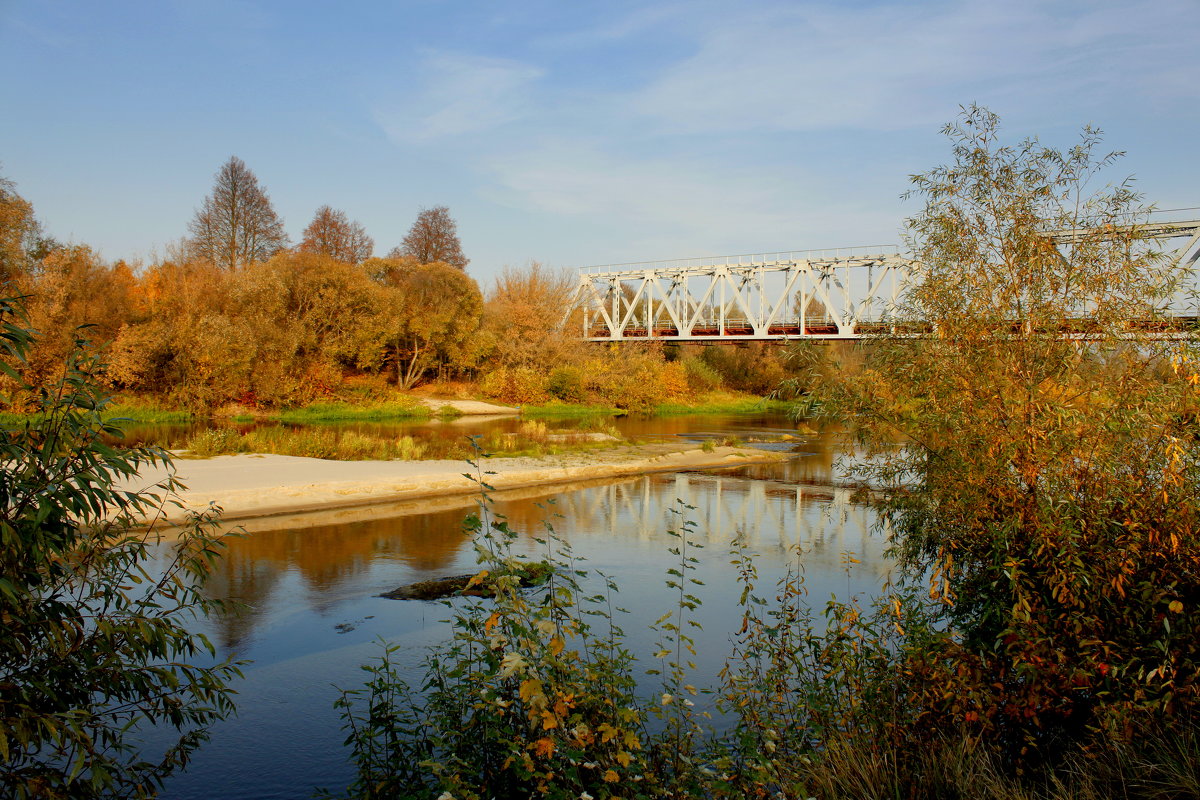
843,293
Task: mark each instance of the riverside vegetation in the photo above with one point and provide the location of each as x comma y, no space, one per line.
94,647
1043,638
532,438
215,326
1041,494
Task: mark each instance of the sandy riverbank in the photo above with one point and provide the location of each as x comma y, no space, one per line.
469,407
257,486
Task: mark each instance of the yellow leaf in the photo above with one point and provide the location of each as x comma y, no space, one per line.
556,645
544,747
549,720
624,758
478,579
1175,606
607,732
492,620
611,777
531,688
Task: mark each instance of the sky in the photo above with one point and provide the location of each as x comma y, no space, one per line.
571,132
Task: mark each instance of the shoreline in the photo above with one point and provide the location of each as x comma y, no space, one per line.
297,490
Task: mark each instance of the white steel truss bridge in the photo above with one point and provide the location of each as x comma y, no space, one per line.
815,294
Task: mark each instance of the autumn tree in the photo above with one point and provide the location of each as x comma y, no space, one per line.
22,242
524,317
1040,473
182,342
277,333
72,287
433,237
333,234
308,315
431,314
236,225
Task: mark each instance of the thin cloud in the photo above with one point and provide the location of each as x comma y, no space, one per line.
462,94
818,66
669,199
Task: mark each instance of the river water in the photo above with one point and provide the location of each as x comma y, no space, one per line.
313,613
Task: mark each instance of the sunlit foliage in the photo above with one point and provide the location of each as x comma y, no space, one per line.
1044,484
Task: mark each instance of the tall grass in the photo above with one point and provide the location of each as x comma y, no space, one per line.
309,443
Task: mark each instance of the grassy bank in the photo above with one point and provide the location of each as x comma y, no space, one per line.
723,403
709,403
570,411
135,410
401,408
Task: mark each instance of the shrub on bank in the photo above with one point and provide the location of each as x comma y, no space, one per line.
95,647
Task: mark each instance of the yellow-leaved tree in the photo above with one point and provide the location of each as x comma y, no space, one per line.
1039,466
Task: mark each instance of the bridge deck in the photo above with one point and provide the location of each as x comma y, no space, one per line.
846,293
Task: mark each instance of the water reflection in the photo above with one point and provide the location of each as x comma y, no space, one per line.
313,612
329,562
643,428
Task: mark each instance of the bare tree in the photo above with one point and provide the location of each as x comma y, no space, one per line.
433,237
236,226
333,234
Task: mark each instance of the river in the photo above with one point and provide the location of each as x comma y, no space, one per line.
313,613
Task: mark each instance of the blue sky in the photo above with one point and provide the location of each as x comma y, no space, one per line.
574,133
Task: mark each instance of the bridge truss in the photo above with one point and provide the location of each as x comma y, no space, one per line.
815,294
822,294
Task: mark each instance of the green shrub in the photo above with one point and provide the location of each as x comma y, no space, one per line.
566,384
701,377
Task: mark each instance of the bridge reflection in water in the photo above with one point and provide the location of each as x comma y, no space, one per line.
770,516
619,527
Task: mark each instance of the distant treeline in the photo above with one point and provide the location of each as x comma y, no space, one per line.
234,314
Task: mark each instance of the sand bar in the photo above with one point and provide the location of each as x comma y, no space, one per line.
469,407
257,486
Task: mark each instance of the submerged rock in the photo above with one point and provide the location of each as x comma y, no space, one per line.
476,585
431,589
